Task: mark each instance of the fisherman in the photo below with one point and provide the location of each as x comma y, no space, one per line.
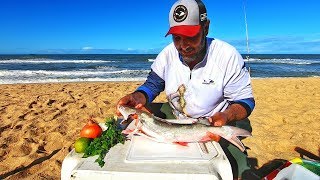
202,77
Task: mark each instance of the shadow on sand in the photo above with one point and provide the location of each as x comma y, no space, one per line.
35,162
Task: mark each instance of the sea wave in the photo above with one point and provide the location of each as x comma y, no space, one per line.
27,81
49,61
283,61
38,76
106,68
64,73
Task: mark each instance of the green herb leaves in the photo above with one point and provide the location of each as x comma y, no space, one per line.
101,145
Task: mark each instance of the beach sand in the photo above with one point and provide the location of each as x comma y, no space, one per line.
40,122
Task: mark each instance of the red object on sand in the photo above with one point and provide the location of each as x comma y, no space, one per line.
274,173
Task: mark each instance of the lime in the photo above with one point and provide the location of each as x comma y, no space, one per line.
81,144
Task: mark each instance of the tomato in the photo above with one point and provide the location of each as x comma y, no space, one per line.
91,130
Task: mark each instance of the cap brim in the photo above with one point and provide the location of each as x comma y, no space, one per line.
184,30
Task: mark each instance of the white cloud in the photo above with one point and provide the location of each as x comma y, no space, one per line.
280,44
87,48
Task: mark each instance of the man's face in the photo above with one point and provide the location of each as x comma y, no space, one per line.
190,47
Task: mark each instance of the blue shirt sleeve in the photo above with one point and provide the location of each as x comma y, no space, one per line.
152,87
248,104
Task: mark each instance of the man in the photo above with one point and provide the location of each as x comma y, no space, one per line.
202,77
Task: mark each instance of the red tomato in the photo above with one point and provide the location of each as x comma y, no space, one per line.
91,130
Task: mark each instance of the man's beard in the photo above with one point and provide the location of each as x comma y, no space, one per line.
197,55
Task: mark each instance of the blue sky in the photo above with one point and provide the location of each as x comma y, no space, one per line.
128,26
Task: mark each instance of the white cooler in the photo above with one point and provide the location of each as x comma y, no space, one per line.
141,158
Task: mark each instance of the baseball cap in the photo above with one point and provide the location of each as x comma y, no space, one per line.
186,17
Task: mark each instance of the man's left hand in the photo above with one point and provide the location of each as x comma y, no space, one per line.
218,119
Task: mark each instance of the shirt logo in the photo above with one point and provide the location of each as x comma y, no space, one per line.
180,13
208,81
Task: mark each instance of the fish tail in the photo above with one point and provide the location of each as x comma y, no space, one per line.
235,131
236,141
231,134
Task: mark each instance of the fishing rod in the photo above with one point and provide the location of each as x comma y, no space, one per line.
247,34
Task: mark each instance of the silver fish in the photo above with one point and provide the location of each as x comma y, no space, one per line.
181,133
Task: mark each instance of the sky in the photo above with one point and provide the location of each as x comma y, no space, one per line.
139,26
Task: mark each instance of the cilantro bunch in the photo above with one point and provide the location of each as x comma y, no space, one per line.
101,145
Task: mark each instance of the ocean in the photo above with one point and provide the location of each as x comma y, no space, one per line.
134,67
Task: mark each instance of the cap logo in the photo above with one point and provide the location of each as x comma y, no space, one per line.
180,13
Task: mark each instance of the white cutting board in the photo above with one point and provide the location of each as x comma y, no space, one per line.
143,149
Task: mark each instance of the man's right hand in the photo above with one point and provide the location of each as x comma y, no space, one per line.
135,99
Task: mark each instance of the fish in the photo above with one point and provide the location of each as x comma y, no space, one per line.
160,131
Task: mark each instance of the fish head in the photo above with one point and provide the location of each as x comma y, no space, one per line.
126,111
129,114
